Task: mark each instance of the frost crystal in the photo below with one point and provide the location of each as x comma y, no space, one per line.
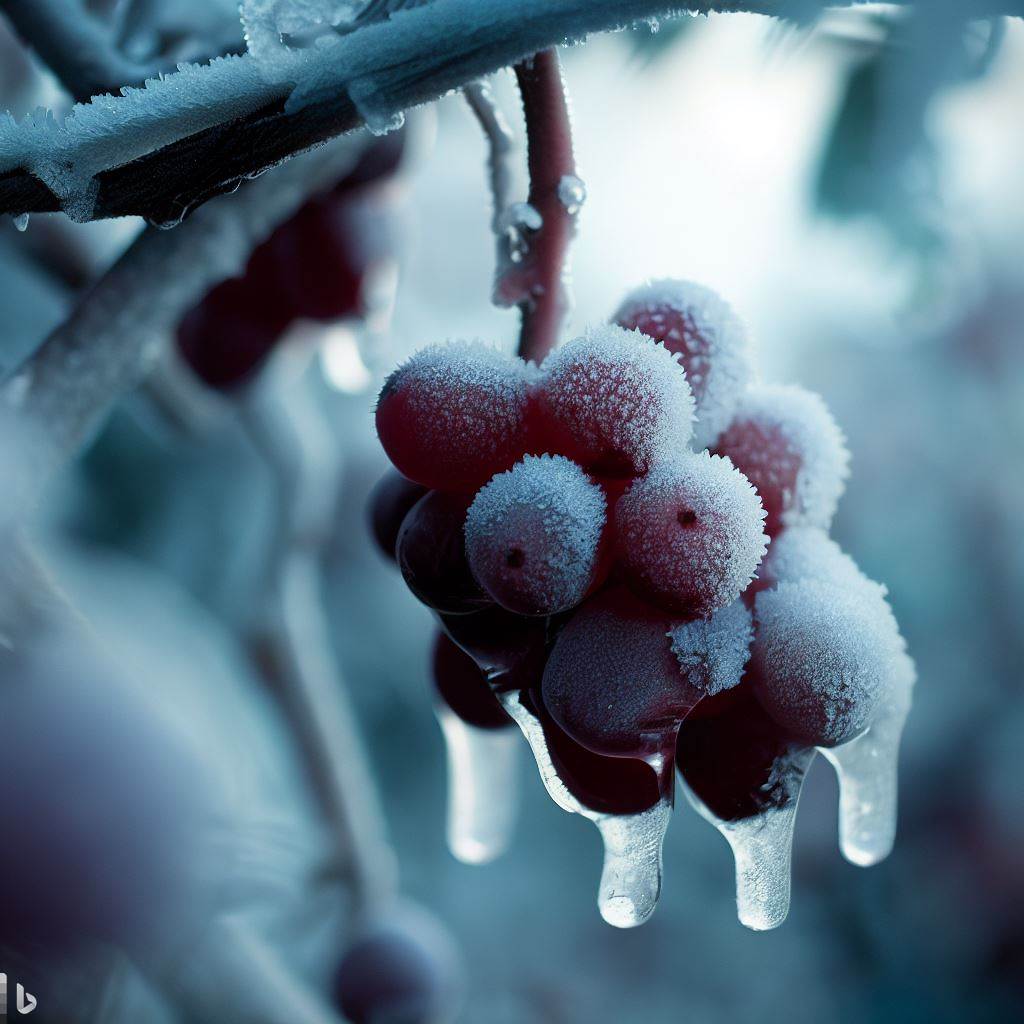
704,330
823,657
532,535
712,653
619,400
806,553
785,441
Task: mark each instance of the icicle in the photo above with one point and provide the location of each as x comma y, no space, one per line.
867,767
631,876
762,847
483,794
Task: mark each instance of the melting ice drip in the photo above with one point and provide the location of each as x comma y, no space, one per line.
482,787
482,806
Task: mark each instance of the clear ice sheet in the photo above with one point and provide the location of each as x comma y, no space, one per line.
867,771
762,848
483,794
631,876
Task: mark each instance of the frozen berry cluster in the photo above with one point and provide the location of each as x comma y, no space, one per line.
630,541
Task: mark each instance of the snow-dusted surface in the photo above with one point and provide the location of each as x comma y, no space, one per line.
690,533
697,322
785,441
532,535
618,395
712,653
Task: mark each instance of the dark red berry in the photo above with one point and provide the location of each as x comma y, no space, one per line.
464,688
390,502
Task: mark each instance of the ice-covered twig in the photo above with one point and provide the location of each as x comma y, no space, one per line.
290,644
160,151
534,279
499,147
79,50
64,391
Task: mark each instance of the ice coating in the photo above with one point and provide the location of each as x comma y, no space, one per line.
689,534
454,415
867,770
612,682
631,875
532,535
614,401
762,848
822,658
698,324
785,441
712,653
483,787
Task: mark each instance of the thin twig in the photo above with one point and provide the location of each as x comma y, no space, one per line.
290,645
499,147
536,283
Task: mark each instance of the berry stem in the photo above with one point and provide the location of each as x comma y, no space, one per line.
289,644
537,282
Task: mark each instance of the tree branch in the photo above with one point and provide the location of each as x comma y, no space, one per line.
64,391
161,151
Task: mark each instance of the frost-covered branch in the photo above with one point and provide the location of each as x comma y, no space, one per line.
499,147
160,151
71,382
77,47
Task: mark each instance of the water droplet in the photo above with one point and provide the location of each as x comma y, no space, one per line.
867,768
21,221
483,794
572,193
762,847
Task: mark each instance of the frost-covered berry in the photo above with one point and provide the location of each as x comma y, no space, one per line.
712,653
690,534
612,682
392,498
614,401
822,657
532,535
404,968
786,443
711,341
740,763
454,415
431,553
464,688
608,785
806,553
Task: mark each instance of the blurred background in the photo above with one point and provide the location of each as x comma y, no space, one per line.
852,186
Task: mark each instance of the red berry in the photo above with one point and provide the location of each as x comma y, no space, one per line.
431,553
464,688
784,440
822,658
509,650
533,535
689,535
740,763
454,415
614,401
403,968
698,325
390,502
612,682
609,785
